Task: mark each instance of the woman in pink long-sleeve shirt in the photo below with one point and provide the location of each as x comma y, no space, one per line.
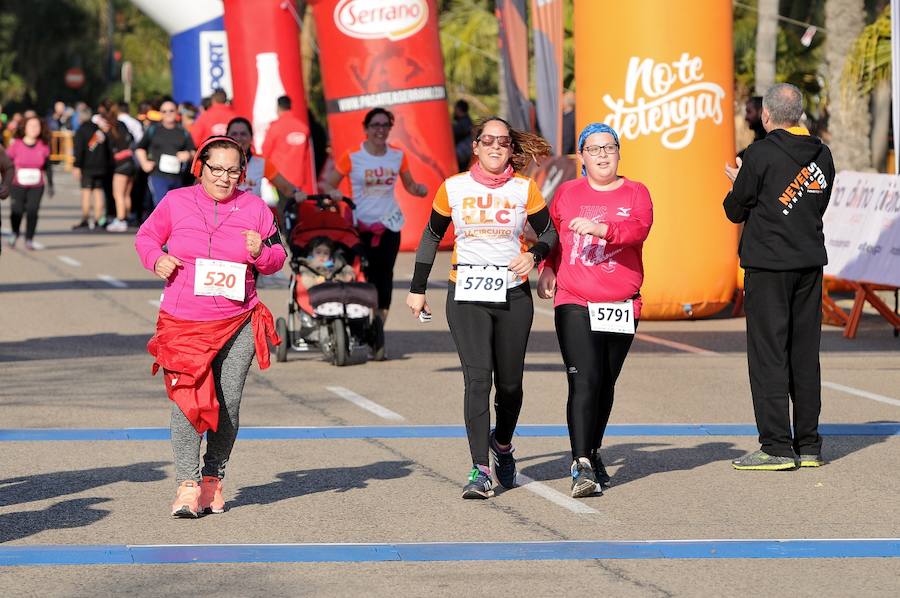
594,276
214,237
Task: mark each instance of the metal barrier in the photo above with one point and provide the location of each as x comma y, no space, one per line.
61,148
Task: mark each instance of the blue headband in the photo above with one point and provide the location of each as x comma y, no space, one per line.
590,130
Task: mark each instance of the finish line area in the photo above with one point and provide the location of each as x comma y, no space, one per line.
329,494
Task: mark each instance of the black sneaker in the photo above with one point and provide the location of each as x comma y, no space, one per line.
583,481
504,464
84,224
600,471
480,485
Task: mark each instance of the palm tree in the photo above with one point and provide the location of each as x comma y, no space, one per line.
868,70
766,45
848,112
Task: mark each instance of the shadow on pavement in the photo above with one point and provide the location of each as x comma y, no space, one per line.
67,514
636,460
44,486
292,484
74,347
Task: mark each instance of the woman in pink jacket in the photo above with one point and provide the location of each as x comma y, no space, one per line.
594,276
211,321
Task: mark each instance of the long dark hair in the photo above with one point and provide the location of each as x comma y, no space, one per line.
44,135
525,146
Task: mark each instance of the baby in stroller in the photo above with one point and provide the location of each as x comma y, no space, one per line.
332,306
324,263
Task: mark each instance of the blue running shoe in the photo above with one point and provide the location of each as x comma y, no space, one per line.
480,485
504,464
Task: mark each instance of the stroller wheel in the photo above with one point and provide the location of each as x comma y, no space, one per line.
281,330
340,342
377,339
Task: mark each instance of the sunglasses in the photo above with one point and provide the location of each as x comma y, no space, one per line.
488,140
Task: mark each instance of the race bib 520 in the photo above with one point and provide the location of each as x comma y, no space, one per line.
219,278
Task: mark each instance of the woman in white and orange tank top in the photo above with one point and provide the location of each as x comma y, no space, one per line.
489,306
373,169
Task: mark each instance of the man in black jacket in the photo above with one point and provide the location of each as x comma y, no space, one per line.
780,192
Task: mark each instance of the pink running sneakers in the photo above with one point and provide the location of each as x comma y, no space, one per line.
211,500
187,500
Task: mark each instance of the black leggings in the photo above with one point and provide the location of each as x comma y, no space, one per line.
491,339
25,200
593,362
380,270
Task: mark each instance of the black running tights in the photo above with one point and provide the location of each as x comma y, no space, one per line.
491,339
593,361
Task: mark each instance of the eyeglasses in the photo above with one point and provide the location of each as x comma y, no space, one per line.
502,140
608,149
218,171
380,125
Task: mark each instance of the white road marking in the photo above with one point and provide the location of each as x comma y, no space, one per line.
674,344
363,402
111,281
861,393
69,261
557,498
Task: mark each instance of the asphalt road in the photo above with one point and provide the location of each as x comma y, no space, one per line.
359,514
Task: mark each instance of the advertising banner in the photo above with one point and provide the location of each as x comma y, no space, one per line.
387,53
264,45
199,48
513,42
547,31
862,228
664,82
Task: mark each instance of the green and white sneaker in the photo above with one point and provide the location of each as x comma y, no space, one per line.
480,485
812,460
763,461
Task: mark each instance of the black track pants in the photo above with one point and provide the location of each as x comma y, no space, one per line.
380,270
784,327
491,339
593,362
26,201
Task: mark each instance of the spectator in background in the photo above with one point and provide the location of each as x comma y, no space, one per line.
93,166
131,123
568,124
287,147
7,170
462,134
780,192
60,118
753,118
213,121
188,114
81,115
164,152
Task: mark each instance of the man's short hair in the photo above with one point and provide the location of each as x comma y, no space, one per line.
219,96
284,102
784,103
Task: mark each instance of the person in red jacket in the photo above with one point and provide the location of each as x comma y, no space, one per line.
287,147
213,121
594,276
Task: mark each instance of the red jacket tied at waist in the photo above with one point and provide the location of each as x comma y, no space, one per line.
185,349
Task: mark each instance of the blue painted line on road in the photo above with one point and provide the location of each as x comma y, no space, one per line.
428,432
448,551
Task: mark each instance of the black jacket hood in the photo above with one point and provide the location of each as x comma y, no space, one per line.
801,149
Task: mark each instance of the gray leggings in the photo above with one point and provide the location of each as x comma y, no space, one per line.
229,370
